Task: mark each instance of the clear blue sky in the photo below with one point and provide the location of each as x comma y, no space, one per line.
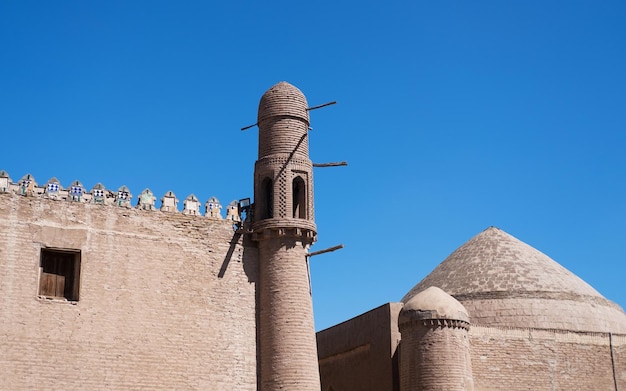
453,116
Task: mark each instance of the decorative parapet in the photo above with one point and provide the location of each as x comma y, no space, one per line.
99,194
146,200
169,202
232,211
213,209
123,196
191,205
52,188
5,180
76,191
27,185
436,323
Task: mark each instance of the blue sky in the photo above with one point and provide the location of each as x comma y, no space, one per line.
453,116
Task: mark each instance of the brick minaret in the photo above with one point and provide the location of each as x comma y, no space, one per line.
284,228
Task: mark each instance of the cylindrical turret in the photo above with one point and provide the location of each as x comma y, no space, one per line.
283,224
434,350
283,174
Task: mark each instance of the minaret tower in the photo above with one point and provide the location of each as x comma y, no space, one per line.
284,227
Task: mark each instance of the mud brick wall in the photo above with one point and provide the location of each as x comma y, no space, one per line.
531,359
361,353
166,301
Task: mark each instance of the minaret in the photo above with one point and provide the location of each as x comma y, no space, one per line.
284,227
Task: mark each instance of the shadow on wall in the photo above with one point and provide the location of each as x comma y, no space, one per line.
249,256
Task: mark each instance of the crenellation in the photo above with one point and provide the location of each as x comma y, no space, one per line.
169,202
100,195
191,205
146,200
232,211
213,208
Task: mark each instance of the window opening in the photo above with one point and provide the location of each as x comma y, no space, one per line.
267,199
59,276
299,198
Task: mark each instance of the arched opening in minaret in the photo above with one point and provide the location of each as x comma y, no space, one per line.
299,198
266,204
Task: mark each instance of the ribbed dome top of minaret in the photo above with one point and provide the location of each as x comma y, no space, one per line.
283,121
503,281
283,99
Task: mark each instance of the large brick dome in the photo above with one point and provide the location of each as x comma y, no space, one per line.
502,281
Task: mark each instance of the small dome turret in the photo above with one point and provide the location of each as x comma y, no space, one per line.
435,351
434,303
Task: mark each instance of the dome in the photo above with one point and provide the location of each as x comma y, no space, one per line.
283,99
502,281
283,121
433,303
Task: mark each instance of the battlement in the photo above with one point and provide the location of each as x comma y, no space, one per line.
27,186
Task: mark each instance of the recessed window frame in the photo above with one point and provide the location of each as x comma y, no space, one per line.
59,274
266,199
299,198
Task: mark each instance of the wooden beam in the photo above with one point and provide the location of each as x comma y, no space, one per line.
333,164
320,106
249,126
340,246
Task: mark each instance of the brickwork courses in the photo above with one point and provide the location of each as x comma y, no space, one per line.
361,353
284,228
167,301
530,359
434,351
503,281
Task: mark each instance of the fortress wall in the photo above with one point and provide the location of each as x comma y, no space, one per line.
360,353
532,359
166,300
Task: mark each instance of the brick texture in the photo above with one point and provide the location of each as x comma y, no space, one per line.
503,281
361,353
167,301
287,330
527,359
284,228
434,357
